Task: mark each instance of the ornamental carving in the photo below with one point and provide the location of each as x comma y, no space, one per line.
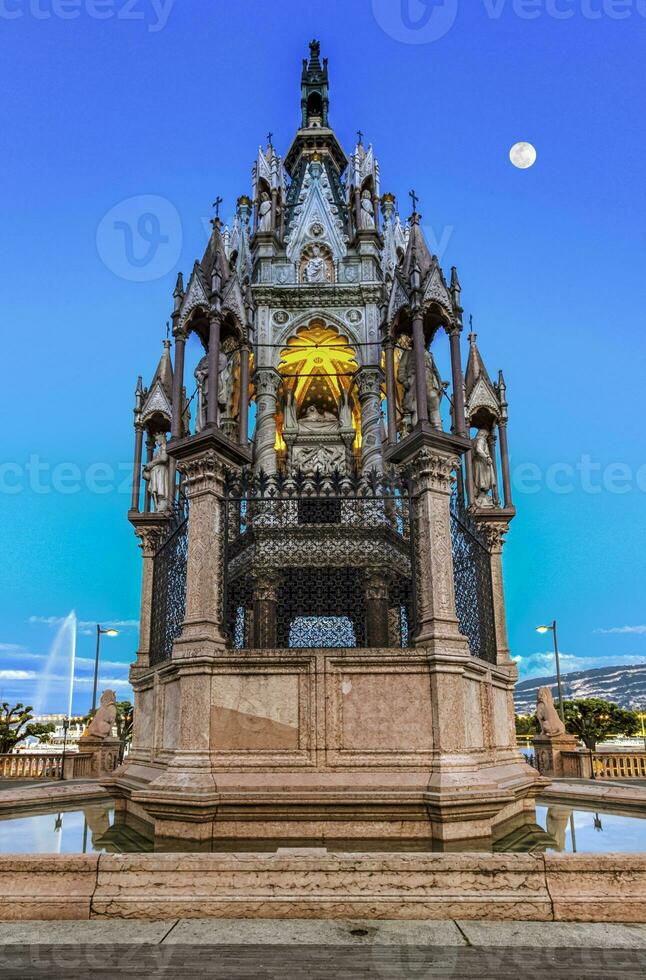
354,316
433,471
494,532
202,473
267,381
281,317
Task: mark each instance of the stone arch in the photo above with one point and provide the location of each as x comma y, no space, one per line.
309,318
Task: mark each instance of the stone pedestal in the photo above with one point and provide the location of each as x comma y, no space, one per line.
105,754
548,754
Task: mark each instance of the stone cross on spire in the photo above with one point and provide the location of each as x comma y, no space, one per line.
415,199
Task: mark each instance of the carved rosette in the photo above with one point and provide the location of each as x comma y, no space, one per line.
369,381
205,473
433,471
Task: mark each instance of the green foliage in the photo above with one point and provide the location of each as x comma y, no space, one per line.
594,719
125,714
527,725
41,732
14,725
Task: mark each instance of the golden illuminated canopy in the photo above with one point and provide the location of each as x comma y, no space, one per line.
316,364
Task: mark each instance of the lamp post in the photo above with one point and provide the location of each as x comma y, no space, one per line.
99,633
552,629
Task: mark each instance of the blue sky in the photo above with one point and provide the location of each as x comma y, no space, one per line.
104,110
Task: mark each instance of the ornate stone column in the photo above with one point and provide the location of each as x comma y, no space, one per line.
432,469
214,369
504,463
136,468
203,481
369,381
495,531
149,530
243,430
391,392
419,347
265,601
267,381
458,382
377,615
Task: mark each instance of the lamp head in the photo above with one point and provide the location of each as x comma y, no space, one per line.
543,629
111,632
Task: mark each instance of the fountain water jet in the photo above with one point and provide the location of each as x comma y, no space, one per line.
60,660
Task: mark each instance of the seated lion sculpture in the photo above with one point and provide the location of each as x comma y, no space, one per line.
104,719
546,713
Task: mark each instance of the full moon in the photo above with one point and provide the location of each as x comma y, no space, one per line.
523,155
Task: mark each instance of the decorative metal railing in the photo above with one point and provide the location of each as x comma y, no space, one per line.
473,585
314,547
169,585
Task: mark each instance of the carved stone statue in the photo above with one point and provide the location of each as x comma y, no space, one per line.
264,212
484,472
324,459
202,379
345,411
548,719
367,210
316,269
434,389
290,420
225,389
315,421
156,473
103,721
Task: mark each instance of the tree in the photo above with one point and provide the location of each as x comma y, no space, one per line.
15,726
594,719
527,725
125,713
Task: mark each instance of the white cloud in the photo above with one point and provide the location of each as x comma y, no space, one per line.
17,675
623,629
11,648
87,626
542,664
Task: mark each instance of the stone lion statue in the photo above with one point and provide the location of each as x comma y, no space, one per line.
104,719
548,719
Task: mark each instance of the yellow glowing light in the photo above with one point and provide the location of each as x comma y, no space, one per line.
316,364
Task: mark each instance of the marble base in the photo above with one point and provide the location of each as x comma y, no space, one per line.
321,744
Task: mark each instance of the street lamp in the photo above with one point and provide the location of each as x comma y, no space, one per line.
552,629
99,633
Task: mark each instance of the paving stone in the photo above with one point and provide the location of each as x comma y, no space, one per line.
317,932
597,935
78,932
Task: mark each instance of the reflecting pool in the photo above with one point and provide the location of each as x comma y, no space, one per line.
96,828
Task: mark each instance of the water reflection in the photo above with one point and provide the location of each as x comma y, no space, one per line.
96,828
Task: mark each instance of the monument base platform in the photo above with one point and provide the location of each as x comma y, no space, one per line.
312,745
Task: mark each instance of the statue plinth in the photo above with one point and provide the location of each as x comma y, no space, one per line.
548,750
105,753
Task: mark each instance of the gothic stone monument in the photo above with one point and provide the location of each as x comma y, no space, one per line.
323,651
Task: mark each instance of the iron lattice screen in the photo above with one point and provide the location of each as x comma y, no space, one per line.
304,554
473,586
169,587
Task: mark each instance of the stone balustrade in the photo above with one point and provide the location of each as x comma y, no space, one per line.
46,765
619,765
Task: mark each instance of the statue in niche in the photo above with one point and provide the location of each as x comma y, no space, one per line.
225,389
105,718
345,411
264,212
435,388
316,268
156,474
546,714
290,419
202,378
367,211
314,421
484,472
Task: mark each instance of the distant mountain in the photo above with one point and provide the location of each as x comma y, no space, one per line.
626,686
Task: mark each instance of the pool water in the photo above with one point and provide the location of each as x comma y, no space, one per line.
94,829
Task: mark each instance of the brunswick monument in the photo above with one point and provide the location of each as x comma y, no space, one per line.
321,514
